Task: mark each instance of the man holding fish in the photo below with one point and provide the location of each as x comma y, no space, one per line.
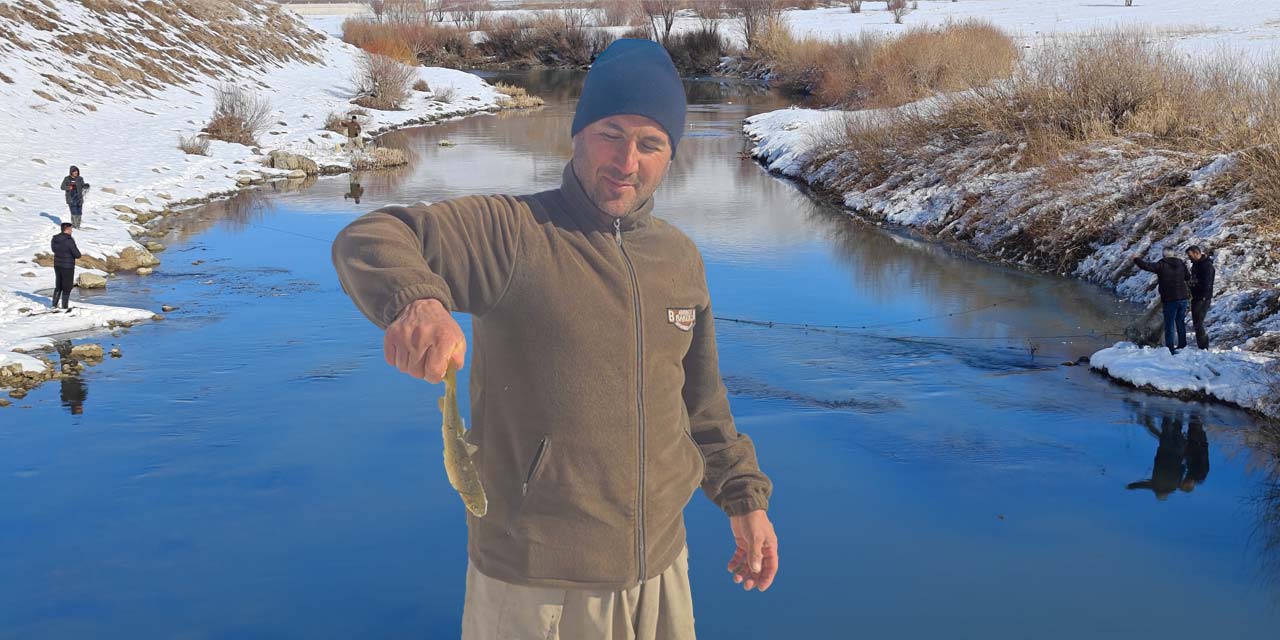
597,401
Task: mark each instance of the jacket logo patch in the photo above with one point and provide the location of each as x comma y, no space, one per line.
683,319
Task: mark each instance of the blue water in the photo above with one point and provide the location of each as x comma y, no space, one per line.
251,468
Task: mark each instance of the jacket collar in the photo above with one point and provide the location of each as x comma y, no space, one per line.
582,209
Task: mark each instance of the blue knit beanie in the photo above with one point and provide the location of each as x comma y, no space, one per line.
633,77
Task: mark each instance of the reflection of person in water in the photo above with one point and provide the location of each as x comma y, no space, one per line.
354,189
1182,461
73,392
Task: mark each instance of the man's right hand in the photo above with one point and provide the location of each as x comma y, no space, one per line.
423,339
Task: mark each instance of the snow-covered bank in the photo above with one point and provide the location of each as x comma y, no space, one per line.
121,129
1239,377
966,193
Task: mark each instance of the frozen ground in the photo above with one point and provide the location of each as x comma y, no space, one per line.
125,144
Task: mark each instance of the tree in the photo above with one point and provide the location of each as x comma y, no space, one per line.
855,6
662,16
377,7
898,8
755,16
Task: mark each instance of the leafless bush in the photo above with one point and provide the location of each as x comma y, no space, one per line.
465,12
335,122
554,39
446,94
755,17
613,13
377,8
406,10
194,145
239,116
899,9
855,6
698,51
662,16
421,85
382,82
518,97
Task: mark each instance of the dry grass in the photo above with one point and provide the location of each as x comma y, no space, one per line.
518,97
336,123
413,41
614,13
755,18
379,158
421,85
194,145
446,94
382,82
239,116
557,39
874,71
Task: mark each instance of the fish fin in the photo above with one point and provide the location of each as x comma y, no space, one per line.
471,448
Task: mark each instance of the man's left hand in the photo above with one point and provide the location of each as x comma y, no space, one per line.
755,561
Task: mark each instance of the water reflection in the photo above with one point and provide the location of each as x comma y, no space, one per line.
1182,457
73,390
354,190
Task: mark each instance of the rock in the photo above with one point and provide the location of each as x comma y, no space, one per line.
145,271
110,190
142,200
296,174
167,308
23,309
447,143
87,351
1069,363
46,185
122,208
91,281
244,181
157,317
4,403
115,352
196,263
28,274
164,196
124,218
155,247
18,394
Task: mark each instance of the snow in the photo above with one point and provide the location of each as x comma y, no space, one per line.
126,149
1236,376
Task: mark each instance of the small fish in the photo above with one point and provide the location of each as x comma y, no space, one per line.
462,471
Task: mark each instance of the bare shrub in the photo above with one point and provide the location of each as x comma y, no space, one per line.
804,5
855,6
382,82
379,158
755,17
639,33
412,42
194,145
614,13
335,122
421,85
239,116
698,51
466,12
377,8
446,94
898,8
518,97
662,16
555,39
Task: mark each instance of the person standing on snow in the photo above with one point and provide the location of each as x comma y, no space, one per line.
1172,277
597,403
65,253
73,187
354,141
1202,273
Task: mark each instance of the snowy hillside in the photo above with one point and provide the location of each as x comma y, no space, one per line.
110,85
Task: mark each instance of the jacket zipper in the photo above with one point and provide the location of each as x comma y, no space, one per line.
635,294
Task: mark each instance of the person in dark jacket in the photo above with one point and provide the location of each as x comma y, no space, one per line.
73,187
1169,465
1172,277
1197,454
65,254
354,141
1202,273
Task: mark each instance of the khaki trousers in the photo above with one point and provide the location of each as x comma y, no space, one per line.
661,608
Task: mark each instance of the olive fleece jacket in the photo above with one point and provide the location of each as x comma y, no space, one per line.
596,398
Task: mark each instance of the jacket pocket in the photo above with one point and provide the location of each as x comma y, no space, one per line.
532,472
702,471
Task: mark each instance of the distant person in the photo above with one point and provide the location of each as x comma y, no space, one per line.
1202,273
73,188
65,254
1166,470
1197,456
1172,277
354,190
354,141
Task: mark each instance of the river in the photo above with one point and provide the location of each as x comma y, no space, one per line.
251,468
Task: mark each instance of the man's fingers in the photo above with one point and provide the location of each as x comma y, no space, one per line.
756,552
768,572
434,362
418,367
736,560
459,356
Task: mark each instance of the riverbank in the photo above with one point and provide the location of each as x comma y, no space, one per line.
124,138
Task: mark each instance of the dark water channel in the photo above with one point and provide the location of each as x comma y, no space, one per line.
252,469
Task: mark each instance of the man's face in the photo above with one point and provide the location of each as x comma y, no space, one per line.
1194,255
67,231
620,161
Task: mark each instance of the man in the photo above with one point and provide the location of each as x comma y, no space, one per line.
73,188
1202,273
65,254
1171,279
354,190
354,141
596,396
